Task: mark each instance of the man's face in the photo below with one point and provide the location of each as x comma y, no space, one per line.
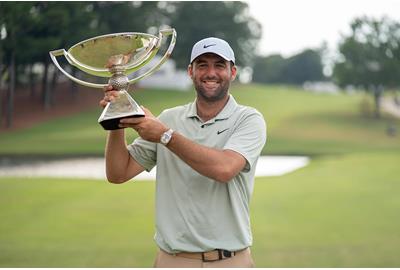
211,75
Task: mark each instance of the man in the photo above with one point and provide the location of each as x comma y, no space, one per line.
206,153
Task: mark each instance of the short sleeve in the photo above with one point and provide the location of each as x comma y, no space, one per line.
249,138
144,152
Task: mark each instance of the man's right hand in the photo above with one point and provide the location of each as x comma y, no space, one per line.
109,95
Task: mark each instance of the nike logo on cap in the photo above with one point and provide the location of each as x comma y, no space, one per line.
206,46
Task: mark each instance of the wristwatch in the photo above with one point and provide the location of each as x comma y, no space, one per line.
166,137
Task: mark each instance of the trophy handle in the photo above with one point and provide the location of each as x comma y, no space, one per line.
54,54
162,34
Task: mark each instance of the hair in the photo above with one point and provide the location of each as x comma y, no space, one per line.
230,62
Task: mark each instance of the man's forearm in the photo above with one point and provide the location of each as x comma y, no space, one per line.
220,165
116,155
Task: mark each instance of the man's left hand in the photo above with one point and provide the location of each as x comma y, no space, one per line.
148,127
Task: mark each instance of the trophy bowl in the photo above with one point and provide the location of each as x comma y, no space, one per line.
115,56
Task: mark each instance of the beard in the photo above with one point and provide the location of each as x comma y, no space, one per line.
211,93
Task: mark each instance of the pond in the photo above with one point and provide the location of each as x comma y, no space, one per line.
94,167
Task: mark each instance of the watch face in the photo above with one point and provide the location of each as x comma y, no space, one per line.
165,138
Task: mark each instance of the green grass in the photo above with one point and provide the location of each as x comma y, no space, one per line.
299,122
340,211
333,213
80,134
66,223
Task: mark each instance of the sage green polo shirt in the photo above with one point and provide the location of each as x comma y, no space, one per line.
195,213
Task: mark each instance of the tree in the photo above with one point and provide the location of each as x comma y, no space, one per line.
297,69
113,17
227,20
14,22
305,66
370,57
269,69
35,28
70,22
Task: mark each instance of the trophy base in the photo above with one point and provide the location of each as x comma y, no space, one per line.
122,107
112,124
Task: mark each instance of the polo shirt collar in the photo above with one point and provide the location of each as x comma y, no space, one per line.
226,112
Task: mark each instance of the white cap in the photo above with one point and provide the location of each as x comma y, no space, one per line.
213,45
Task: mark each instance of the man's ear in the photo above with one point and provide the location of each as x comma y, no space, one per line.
190,71
233,73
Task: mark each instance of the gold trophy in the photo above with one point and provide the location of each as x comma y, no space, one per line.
115,56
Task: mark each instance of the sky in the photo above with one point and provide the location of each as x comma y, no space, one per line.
290,26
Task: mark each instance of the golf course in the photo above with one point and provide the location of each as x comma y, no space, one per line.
342,210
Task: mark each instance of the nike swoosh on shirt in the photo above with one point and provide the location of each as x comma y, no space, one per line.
220,131
206,46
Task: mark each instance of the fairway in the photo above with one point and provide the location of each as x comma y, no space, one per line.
342,210
330,214
298,123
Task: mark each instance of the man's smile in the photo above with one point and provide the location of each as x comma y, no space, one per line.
211,83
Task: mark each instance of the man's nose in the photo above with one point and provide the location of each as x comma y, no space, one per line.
211,71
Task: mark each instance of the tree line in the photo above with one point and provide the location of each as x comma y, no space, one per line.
29,30
369,57
297,69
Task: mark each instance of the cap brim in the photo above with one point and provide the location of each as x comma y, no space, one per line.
219,54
